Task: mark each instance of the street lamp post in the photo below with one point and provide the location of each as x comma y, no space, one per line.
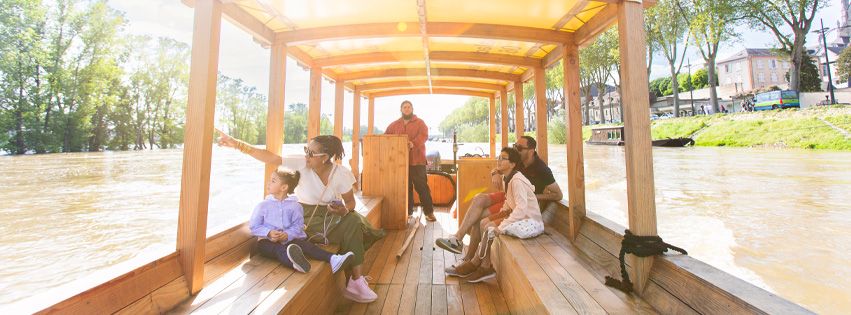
691,88
823,32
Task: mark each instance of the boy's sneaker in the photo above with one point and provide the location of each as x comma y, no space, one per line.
337,261
451,244
481,274
297,258
463,270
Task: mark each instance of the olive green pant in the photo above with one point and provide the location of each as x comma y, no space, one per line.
352,231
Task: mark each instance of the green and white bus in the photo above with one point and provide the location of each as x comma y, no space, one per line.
777,99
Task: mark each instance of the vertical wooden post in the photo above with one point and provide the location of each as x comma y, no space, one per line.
519,122
541,113
355,160
338,108
639,157
198,141
492,124
503,117
575,159
314,110
275,114
370,126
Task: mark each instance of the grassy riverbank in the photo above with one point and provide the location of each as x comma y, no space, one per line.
790,128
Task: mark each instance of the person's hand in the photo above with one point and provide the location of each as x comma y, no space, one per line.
277,236
496,180
225,140
338,209
410,145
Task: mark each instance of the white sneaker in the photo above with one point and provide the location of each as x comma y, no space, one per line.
337,261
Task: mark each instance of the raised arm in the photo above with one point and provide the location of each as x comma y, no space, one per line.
261,155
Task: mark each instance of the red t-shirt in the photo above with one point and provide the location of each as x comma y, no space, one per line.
417,132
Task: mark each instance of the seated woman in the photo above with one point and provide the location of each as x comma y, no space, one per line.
327,218
279,222
520,216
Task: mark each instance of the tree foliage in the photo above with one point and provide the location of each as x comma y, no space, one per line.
73,79
843,65
710,24
790,22
810,77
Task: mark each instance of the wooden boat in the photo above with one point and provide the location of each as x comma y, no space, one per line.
607,136
675,142
420,47
616,136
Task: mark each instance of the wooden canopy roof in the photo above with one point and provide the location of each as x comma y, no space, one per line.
433,46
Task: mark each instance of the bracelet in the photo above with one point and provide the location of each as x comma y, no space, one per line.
244,147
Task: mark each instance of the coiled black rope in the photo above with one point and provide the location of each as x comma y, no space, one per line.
641,246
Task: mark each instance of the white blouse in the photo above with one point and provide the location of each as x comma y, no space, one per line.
310,188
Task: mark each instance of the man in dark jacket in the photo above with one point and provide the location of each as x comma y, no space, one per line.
417,132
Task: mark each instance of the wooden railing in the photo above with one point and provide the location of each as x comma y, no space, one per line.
678,284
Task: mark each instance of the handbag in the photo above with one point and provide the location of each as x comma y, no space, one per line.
327,225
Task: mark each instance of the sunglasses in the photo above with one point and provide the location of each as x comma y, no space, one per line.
518,147
311,154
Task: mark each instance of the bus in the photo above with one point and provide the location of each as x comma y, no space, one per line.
777,99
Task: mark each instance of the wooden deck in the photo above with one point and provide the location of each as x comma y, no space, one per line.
416,283
413,284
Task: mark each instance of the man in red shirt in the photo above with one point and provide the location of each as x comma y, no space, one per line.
417,132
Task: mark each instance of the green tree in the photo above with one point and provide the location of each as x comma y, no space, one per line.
655,86
710,24
21,50
843,65
671,36
810,77
700,79
790,22
599,61
240,108
684,83
469,122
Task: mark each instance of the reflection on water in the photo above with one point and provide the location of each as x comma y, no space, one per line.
776,218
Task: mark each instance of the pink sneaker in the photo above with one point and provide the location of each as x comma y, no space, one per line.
359,291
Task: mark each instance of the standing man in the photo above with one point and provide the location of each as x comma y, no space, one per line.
417,132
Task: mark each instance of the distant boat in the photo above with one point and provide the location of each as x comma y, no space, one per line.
673,142
615,136
607,136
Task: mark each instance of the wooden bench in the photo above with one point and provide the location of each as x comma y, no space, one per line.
543,275
261,285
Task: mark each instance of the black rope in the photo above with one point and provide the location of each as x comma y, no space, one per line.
641,246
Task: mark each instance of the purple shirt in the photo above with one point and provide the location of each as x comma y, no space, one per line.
283,215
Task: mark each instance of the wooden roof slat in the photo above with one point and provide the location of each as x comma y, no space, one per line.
435,72
440,29
448,56
434,83
436,90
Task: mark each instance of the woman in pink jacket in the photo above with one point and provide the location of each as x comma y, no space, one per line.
520,216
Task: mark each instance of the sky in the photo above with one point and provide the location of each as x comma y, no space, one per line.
241,57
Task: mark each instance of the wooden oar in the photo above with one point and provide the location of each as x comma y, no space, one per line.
410,236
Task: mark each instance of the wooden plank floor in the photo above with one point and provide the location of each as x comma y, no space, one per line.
416,283
413,284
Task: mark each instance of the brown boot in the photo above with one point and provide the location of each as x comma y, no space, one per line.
430,218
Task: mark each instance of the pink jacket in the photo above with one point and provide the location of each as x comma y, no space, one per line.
520,198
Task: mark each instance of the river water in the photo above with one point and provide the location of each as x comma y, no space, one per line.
776,218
